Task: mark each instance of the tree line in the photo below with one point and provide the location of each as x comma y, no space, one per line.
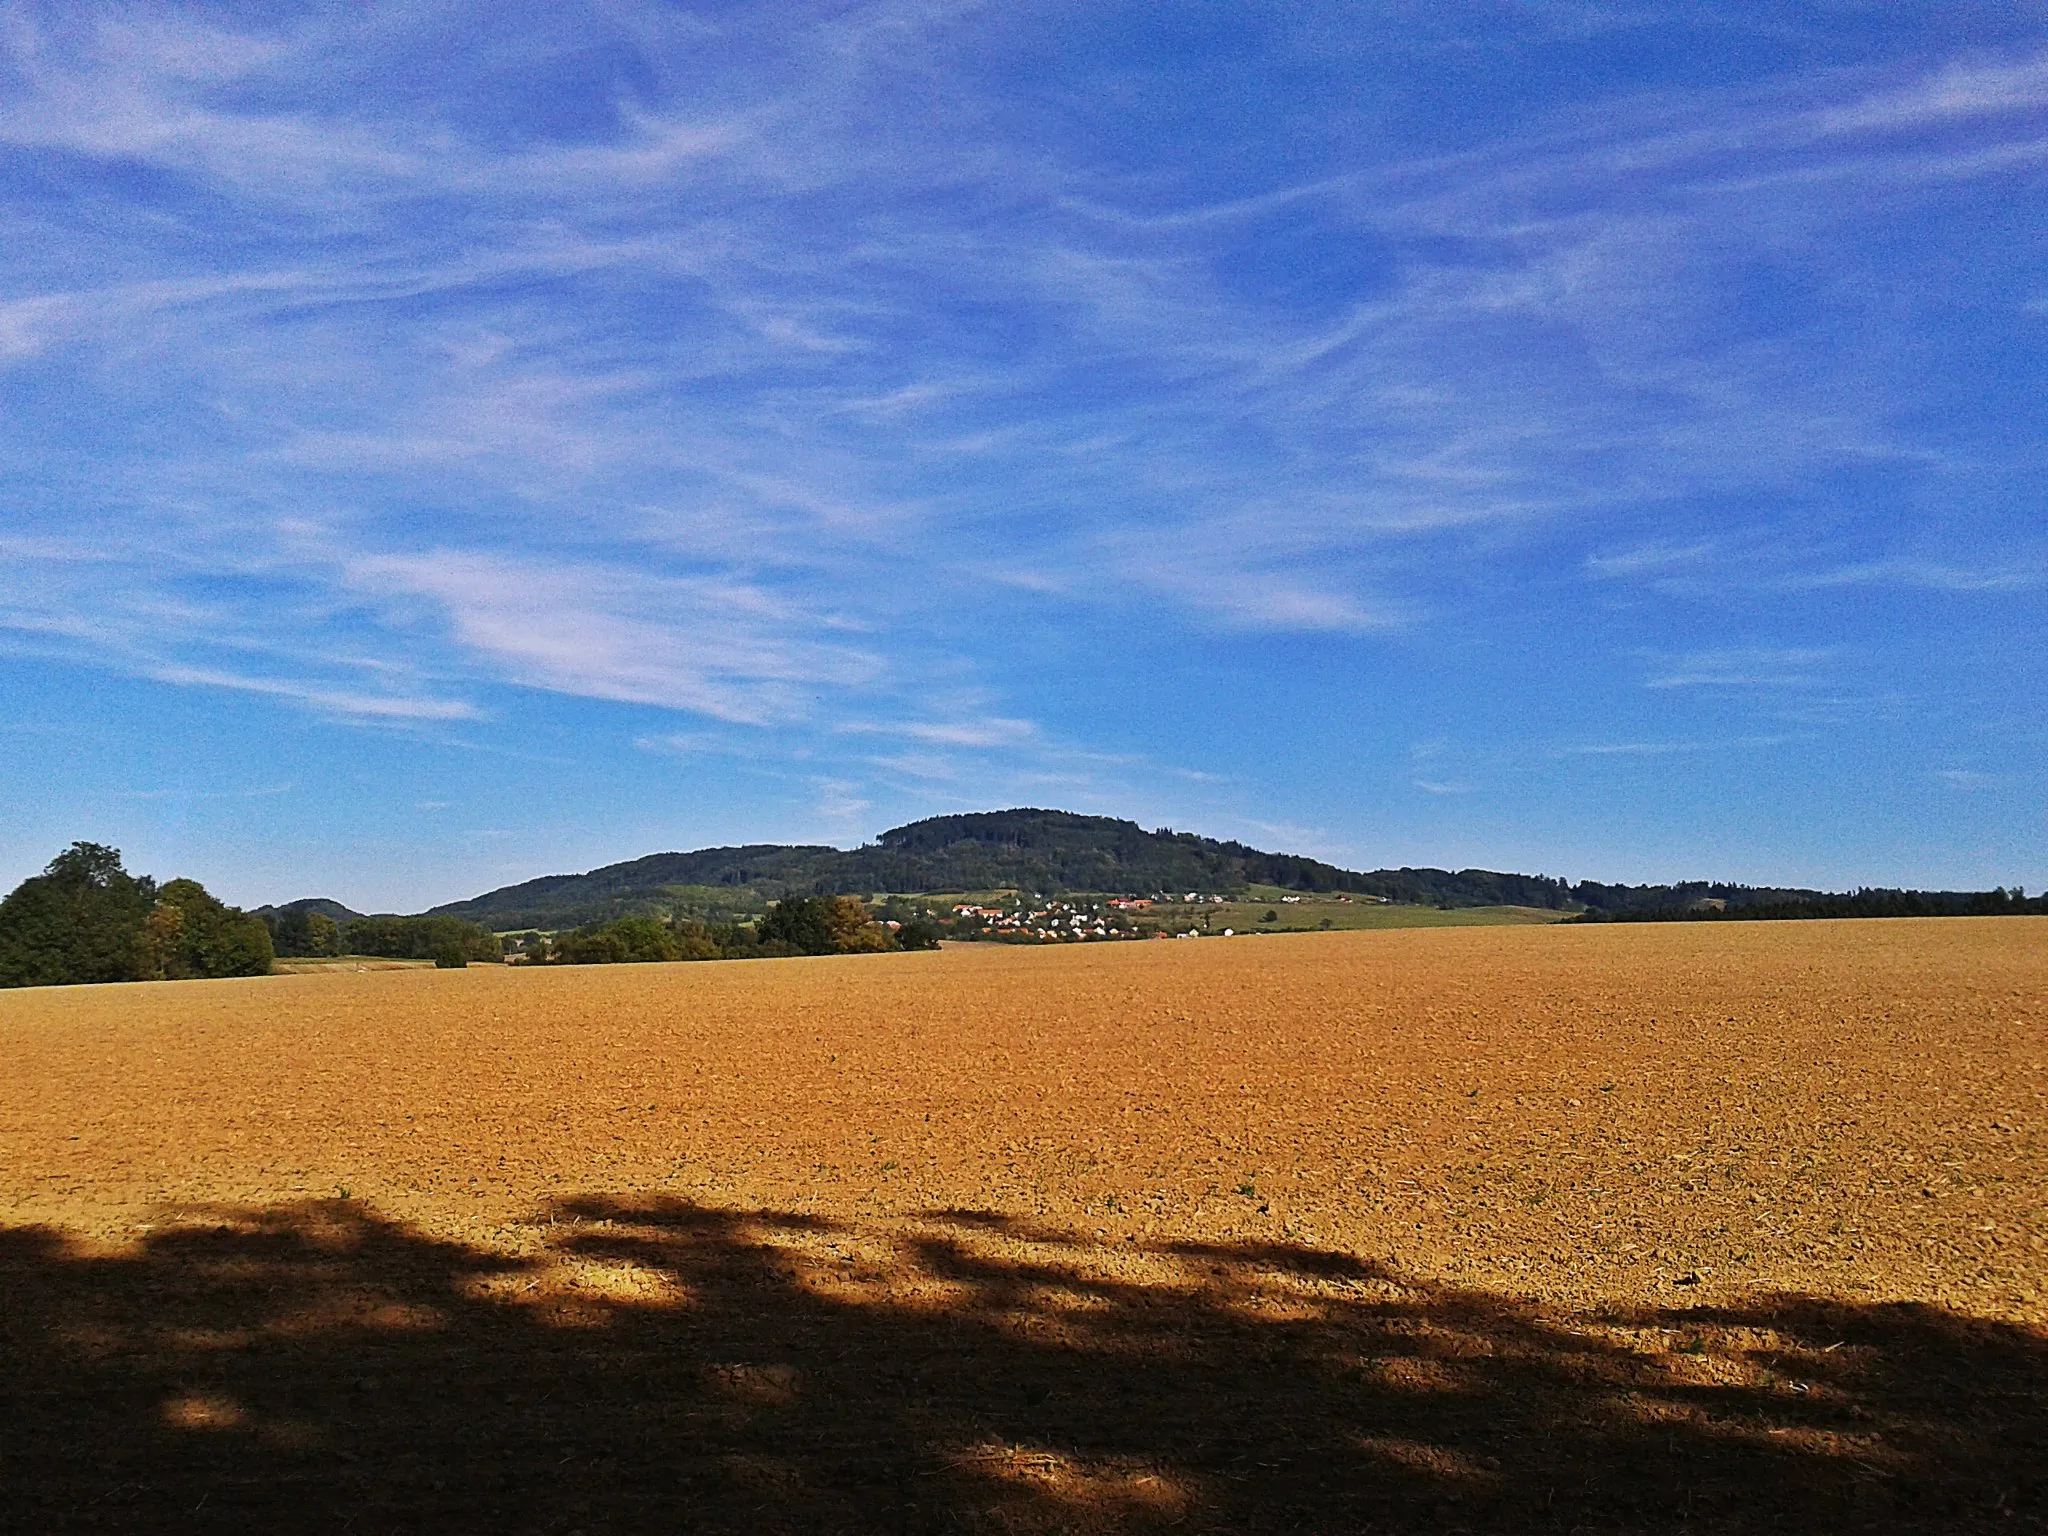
1863,903
447,941
797,925
86,919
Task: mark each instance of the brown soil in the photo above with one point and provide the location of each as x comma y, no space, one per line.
1716,1226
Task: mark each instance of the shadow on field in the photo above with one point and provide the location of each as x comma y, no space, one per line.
667,1366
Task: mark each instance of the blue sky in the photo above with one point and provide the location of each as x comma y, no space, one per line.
449,443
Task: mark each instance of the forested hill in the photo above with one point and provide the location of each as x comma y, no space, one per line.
768,871
1032,850
1058,852
324,905
1055,851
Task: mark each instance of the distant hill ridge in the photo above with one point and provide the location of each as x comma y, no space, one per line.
1046,851
321,904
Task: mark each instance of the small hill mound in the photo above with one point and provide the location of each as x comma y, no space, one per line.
325,906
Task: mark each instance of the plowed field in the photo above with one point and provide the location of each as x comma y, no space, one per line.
1721,1226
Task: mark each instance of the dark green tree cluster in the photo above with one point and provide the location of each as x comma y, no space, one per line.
1685,895
303,932
191,934
626,941
631,940
822,925
86,919
920,932
911,921
1863,903
443,940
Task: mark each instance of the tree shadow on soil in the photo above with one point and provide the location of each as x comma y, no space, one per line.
669,1366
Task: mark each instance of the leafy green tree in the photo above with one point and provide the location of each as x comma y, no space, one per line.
735,941
627,941
854,931
919,933
647,939
797,925
599,946
83,919
822,925
421,938
191,934
288,932
323,934
698,941
303,931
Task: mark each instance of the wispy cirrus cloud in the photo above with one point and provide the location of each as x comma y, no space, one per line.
1746,668
1966,778
1656,559
982,732
711,646
1632,749
332,701
741,392
1925,575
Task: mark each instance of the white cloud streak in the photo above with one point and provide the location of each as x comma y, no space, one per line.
700,397
1746,668
713,647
